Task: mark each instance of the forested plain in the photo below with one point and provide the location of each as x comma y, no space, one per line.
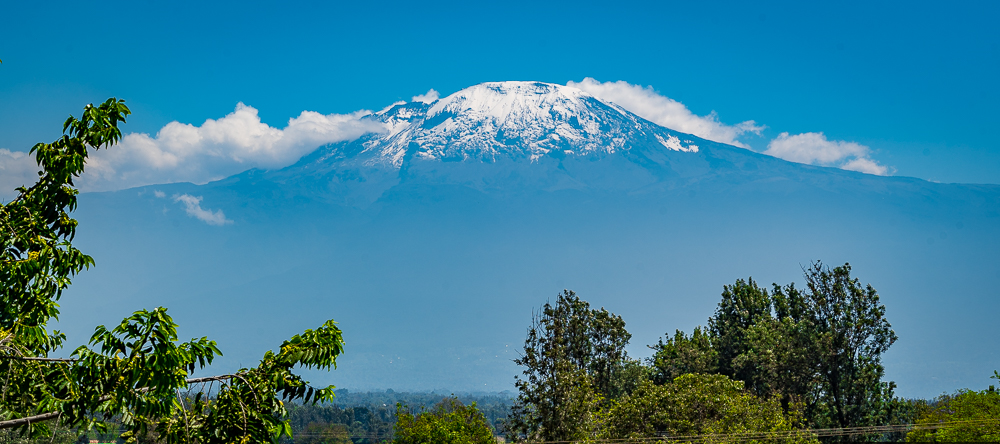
789,363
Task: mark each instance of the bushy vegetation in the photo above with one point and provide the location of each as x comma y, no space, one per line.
696,405
966,416
449,422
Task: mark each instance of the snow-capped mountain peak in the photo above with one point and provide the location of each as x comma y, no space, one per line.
513,120
501,101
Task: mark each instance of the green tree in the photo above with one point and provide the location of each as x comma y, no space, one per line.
849,333
743,306
681,355
695,405
778,357
450,422
135,371
316,433
821,347
573,356
974,417
628,377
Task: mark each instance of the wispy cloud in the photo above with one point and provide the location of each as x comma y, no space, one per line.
667,112
192,205
218,148
816,149
430,96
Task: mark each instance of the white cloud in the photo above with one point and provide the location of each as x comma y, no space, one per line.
159,194
667,112
430,96
218,148
193,208
815,149
866,165
17,168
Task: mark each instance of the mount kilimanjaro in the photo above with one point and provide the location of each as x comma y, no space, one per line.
527,136
432,241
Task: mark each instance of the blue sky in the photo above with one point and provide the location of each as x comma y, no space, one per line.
908,87
915,83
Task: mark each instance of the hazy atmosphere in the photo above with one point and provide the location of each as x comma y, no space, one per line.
428,175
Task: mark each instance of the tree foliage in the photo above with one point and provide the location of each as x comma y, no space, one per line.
973,417
316,433
820,346
134,372
849,332
682,354
449,422
743,306
696,405
574,358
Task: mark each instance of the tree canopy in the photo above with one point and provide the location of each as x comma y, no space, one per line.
821,346
697,405
573,359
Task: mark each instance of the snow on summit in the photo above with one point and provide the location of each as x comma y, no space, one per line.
513,120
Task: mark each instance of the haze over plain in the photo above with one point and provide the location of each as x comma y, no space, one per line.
931,267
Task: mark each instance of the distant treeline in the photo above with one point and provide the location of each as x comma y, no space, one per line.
369,417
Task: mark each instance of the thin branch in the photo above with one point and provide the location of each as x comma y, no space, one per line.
210,378
28,420
187,430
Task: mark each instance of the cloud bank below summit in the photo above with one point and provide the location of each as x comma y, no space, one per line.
815,149
667,112
217,149
809,148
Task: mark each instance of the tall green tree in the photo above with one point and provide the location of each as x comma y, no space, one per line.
134,372
821,346
743,306
849,330
573,356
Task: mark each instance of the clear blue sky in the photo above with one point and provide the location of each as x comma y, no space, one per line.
916,82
